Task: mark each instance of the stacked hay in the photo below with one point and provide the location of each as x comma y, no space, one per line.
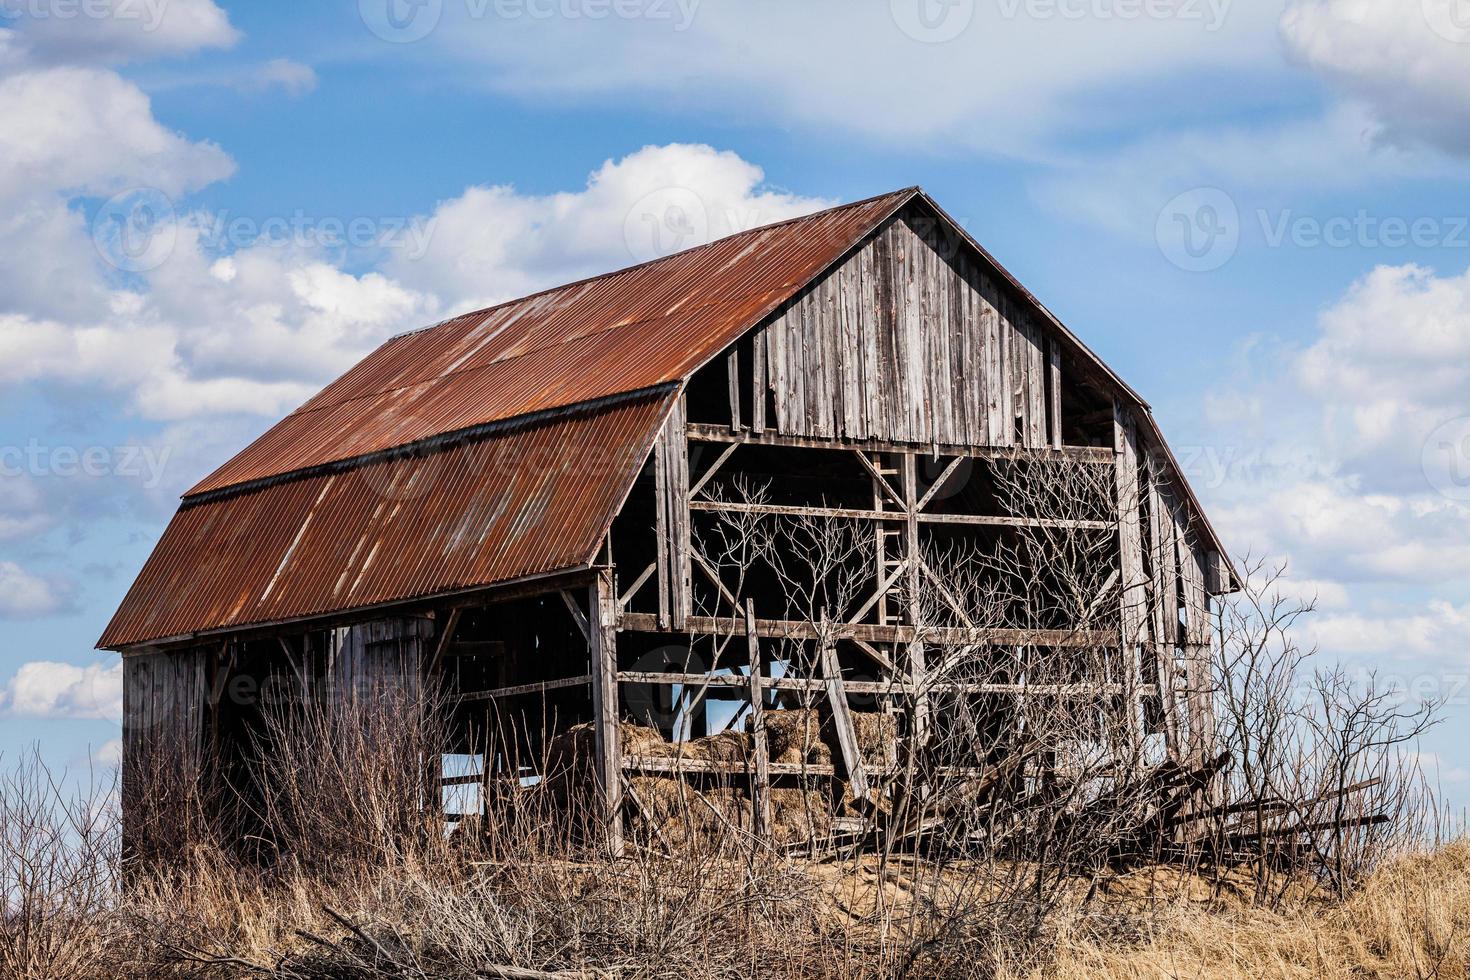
801,736
799,814
795,736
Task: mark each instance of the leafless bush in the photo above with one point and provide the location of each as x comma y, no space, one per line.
58,884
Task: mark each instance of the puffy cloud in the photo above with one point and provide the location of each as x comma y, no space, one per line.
24,595
494,243
48,689
1407,60
118,30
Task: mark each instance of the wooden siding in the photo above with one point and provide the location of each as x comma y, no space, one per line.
908,340
165,696
380,658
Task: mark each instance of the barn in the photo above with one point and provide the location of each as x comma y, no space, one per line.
686,495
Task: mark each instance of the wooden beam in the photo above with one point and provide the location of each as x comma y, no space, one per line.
536,687
1133,581
699,432
758,386
842,724
577,615
795,629
879,480
714,468
760,787
851,513
944,475
732,367
632,590
602,600
917,668
888,687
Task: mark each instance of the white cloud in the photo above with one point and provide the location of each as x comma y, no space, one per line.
1408,60
1005,77
47,689
24,595
110,31
1435,632
108,754
1375,515
291,77
494,243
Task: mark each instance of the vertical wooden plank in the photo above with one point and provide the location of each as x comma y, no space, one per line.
842,725
760,786
732,368
918,668
602,606
1054,391
1132,583
680,568
758,383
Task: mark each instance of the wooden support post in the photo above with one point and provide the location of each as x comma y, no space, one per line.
1054,390
760,785
1132,585
732,364
852,756
758,385
918,671
602,602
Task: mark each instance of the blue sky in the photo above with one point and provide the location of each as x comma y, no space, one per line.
1256,212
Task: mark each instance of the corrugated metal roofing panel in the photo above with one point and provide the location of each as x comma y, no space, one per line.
620,332
529,498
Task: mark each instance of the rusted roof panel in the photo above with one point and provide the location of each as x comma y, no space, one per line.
532,497
620,332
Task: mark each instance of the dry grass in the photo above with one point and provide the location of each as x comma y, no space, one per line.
1411,919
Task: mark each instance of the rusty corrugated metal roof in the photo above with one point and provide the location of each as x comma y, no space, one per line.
530,497
357,498
620,332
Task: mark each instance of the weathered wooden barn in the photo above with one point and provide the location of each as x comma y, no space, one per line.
520,506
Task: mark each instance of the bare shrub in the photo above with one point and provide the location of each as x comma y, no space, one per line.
58,883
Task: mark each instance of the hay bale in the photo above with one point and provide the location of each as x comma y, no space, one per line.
877,738
795,736
726,746
799,814
803,735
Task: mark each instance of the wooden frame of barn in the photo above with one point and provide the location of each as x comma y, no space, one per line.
517,504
